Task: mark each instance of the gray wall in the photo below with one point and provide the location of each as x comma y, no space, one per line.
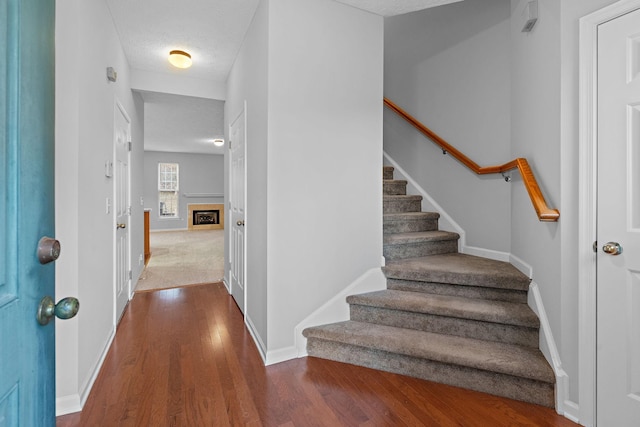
449,67
199,173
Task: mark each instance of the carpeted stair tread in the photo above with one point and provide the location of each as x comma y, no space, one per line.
421,236
401,197
459,269
466,291
405,222
394,187
401,203
387,172
400,216
451,306
509,359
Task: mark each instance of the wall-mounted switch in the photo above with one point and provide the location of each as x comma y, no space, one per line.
108,169
530,15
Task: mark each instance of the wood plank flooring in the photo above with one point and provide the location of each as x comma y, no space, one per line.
182,357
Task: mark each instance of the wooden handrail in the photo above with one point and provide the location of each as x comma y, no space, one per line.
539,204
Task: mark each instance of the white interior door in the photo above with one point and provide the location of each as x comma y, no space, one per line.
121,211
618,275
237,200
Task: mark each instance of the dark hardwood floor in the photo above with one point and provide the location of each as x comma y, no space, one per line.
182,357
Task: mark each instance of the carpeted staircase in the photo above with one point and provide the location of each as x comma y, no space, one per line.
445,316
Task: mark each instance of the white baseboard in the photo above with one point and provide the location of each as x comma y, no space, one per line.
281,355
337,309
262,349
75,402
68,404
521,265
486,253
571,411
564,406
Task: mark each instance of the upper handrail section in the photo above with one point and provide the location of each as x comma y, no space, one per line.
544,212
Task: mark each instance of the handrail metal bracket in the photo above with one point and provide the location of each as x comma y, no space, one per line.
506,176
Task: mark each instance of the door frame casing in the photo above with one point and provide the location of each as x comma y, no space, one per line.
587,213
230,176
119,109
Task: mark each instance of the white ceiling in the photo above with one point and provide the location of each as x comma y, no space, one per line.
212,31
182,124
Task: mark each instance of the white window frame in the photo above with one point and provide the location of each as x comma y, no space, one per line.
162,188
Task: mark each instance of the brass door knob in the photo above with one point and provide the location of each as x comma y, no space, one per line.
612,248
122,225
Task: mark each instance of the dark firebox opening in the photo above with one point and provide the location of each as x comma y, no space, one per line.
206,217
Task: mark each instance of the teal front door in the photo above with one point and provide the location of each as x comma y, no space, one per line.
27,369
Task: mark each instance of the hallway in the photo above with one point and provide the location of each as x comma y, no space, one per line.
182,357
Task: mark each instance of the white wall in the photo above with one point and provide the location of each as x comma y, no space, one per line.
324,156
149,81
86,44
535,133
248,82
199,173
449,67
545,129
311,73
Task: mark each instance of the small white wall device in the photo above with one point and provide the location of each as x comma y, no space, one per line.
112,75
530,15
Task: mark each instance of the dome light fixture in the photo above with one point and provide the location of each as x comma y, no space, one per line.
218,142
180,59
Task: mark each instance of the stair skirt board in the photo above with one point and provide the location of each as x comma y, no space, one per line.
518,388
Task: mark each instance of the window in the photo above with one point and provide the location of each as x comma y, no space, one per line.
168,185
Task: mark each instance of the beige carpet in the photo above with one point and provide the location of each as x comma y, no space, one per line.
180,258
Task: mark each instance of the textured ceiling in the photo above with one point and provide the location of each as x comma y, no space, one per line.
182,123
212,31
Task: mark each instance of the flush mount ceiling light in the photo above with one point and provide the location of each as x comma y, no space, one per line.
218,142
180,59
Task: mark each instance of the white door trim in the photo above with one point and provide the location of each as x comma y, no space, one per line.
588,144
230,177
120,108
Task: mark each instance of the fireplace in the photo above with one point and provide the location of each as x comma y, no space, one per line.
205,216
